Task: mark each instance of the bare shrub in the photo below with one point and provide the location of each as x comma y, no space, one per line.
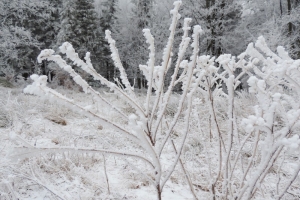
237,154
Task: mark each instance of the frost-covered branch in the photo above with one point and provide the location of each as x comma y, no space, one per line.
116,58
167,54
148,72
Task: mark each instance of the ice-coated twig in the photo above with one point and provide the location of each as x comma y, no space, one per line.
62,149
167,54
41,184
150,68
230,87
183,65
190,70
186,131
185,172
238,154
68,49
40,89
191,88
289,183
141,172
116,58
105,173
262,45
166,97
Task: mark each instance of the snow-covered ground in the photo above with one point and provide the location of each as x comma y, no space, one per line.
28,121
31,121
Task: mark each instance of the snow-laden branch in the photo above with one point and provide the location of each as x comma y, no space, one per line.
148,71
39,88
166,60
27,152
68,49
116,58
186,85
182,49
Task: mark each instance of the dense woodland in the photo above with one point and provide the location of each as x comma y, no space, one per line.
28,26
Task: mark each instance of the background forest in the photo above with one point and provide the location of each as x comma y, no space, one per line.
28,26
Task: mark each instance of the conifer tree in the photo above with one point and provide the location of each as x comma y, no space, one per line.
107,22
219,19
142,16
293,34
48,31
277,21
53,26
79,27
23,32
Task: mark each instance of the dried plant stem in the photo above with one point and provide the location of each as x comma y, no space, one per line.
72,149
185,172
295,175
105,173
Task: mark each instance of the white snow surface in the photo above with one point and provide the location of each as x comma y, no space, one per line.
70,174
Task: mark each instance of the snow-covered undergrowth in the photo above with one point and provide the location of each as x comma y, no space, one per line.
27,174
205,143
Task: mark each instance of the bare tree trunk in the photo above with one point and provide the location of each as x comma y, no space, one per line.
158,192
210,19
219,48
280,4
290,25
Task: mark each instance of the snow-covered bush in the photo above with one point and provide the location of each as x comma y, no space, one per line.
146,128
240,155
250,140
